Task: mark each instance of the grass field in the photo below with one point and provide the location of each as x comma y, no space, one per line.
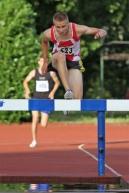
88,117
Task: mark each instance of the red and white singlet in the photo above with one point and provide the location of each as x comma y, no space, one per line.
71,47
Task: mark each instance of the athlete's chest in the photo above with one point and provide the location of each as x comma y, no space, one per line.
42,82
66,43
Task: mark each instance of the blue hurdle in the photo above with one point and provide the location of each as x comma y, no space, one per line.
98,105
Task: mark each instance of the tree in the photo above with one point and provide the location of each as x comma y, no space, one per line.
19,48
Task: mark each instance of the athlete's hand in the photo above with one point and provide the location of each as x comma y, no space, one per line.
100,34
51,95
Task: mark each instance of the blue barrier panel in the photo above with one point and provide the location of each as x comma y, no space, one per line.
41,105
93,105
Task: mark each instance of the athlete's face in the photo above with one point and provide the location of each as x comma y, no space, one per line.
62,27
41,62
42,65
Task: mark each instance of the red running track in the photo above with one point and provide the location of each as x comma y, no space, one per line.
65,150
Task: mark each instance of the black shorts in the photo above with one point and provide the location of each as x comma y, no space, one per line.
73,64
70,65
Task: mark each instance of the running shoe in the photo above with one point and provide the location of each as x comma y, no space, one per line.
68,95
33,144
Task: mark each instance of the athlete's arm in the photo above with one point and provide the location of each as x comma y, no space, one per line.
26,81
56,84
96,32
45,44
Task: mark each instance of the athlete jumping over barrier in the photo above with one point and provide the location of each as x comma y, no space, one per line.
66,52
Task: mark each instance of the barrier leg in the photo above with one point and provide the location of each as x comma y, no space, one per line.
101,147
101,143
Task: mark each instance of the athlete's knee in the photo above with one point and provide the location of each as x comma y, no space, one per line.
43,124
59,56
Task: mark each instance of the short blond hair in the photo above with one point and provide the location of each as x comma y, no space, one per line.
60,16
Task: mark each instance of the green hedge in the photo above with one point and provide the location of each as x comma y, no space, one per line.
18,53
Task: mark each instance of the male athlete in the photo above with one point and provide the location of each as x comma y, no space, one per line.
65,37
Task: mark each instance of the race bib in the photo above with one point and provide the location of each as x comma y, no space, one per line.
42,86
67,50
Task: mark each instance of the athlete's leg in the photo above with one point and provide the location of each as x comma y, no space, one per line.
35,119
44,119
76,83
59,62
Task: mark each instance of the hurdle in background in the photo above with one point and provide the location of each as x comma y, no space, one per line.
97,105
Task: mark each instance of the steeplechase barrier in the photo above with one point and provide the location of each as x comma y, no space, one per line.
101,106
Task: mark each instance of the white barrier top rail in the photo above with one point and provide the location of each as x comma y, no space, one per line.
64,105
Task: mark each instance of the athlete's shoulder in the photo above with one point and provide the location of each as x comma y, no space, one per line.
81,29
31,75
46,34
33,72
75,32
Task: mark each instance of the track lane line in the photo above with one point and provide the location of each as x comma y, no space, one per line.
81,147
